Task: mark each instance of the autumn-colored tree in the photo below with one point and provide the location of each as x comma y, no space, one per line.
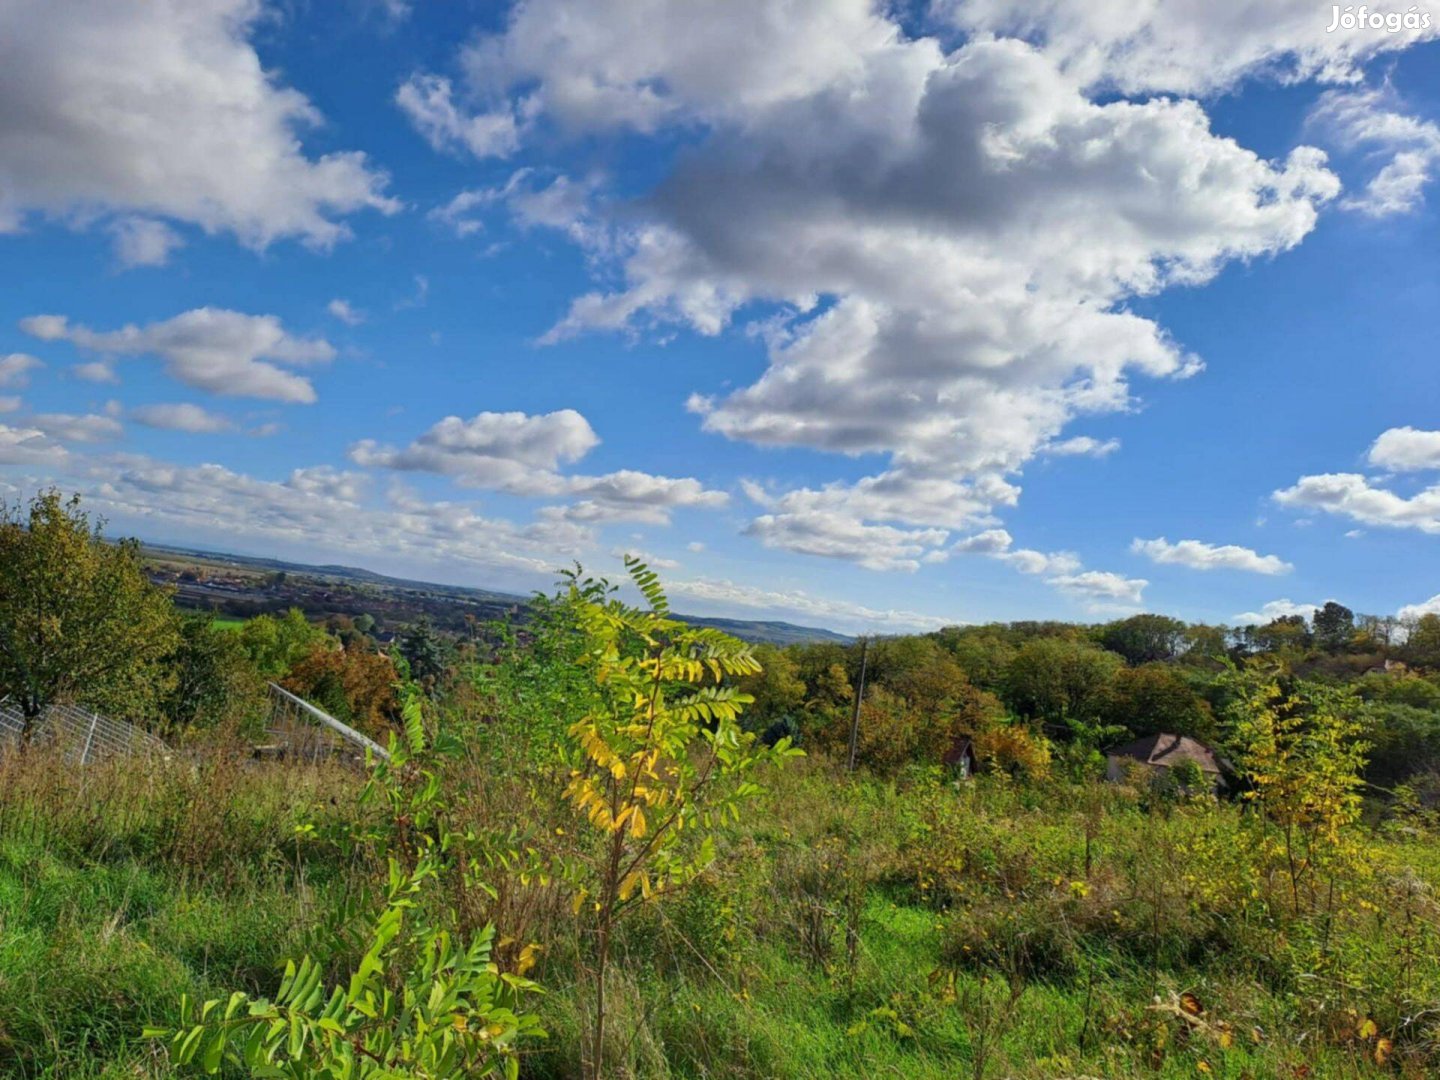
353,685
79,620
1300,749
1012,747
658,765
778,690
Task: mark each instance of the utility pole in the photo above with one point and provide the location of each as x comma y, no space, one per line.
859,697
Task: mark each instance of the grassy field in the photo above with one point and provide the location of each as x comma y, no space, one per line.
848,927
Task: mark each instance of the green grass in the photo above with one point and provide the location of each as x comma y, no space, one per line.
122,889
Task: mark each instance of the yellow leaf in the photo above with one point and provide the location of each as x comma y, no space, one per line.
1191,1004
627,887
1368,1029
527,959
1383,1047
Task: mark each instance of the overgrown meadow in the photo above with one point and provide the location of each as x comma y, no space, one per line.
596,851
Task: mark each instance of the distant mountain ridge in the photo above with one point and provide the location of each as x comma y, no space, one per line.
767,631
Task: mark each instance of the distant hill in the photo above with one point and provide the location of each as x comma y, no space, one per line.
771,633
426,595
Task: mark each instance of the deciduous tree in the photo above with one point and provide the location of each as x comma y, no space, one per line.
79,620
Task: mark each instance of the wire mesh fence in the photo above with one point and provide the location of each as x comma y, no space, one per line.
82,734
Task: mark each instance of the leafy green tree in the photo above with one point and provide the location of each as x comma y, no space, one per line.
1405,740
275,645
1155,698
1205,644
1060,682
425,651
215,681
1334,627
983,652
659,765
79,619
1288,633
777,690
1145,639
1422,644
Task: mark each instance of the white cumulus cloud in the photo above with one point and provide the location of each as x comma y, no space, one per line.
522,454
1405,449
161,109
181,416
951,236
1198,555
1275,609
223,352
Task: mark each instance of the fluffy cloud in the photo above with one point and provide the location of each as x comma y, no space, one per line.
1101,588
1405,449
840,536
345,312
161,109
143,241
429,102
458,214
996,543
181,416
951,237
96,371
1198,555
522,454
73,427
511,450
1369,501
30,446
223,352
15,369
629,495
1371,121
1415,611
1178,46
1354,496
1275,609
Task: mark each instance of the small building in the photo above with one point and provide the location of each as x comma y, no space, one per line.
1160,754
961,757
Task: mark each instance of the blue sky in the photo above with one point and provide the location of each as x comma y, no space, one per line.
860,316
